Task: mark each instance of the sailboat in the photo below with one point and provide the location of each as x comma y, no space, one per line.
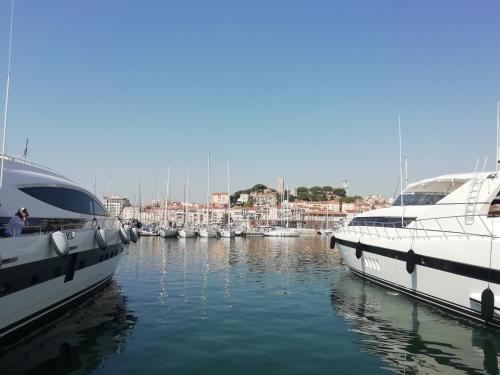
326,231
166,231
228,232
208,231
187,231
283,231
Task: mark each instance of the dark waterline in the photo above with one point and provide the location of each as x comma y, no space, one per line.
250,306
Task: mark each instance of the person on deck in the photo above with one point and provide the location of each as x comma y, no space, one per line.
16,223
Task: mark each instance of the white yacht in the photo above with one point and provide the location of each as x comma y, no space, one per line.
208,232
325,231
439,242
282,232
167,232
186,233
227,232
69,249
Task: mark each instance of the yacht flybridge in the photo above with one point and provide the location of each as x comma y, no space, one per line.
439,242
69,249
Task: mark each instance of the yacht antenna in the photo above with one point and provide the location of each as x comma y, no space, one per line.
6,107
25,152
400,168
498,131
109,193
406,172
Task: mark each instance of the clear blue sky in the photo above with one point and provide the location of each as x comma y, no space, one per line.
307,90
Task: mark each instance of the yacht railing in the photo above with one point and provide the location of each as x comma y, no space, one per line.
39,230
30,163
446,227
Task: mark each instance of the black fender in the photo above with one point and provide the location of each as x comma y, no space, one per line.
359,250
487,304
333,241
411,261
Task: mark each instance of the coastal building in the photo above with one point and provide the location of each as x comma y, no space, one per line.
220,198
264,198
115,204
280,185
264,209
244,198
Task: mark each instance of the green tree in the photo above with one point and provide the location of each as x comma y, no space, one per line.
339,192
303,195
258,188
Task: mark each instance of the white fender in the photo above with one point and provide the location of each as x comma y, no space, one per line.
100,237
59,243
124,235
134,234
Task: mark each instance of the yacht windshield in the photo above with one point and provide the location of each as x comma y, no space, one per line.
419,199
67,199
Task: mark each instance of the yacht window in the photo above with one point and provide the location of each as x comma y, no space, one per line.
381,221
67,199
419,199
495,206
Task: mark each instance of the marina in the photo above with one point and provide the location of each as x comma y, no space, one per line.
122,252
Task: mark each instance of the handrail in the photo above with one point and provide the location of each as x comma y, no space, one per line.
76,227
30,163
446,227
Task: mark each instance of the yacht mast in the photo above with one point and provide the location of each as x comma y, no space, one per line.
208,189
498,133
6,107
228,199
400,167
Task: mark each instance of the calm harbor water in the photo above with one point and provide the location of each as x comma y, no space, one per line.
250,306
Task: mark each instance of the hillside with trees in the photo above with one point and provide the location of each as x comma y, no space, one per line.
312,194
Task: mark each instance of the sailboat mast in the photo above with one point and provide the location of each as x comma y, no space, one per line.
187,196
208,188
166,216
498,134
6,107
228,199
401,168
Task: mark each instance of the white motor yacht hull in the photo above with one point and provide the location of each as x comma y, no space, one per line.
443,274
36,282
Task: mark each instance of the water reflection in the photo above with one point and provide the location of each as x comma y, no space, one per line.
202,270
412,337
78,341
